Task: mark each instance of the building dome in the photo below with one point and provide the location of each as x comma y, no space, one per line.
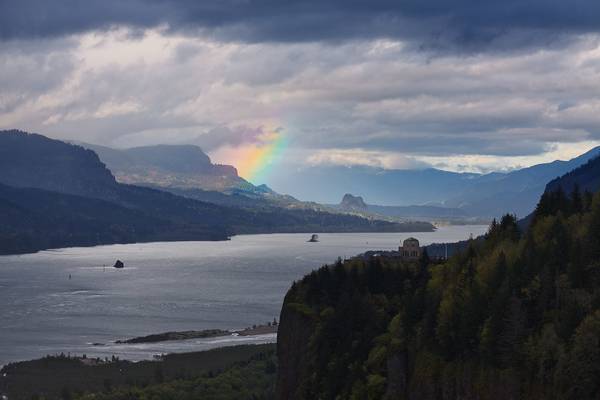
410,249
411,242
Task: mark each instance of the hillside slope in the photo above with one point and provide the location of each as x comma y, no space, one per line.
69,174
35,219
516,192
516,315
586,177
171,166
476,195
32,160
357,205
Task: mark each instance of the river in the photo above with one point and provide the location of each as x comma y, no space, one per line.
71,300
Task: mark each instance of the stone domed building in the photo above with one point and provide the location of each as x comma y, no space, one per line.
410,249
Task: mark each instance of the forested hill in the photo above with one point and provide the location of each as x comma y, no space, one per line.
36,219
516,315
585,178
55,194
35,161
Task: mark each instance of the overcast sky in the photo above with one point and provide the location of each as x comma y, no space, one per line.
461,85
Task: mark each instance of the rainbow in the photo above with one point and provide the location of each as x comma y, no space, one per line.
257,161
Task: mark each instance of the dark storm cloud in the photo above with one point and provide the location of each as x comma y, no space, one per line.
365,100
433,24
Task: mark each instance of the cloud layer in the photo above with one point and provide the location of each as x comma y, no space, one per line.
394,84
436,24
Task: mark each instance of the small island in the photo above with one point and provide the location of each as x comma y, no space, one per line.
262,329
184,335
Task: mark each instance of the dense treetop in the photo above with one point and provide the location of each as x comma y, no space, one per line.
516,315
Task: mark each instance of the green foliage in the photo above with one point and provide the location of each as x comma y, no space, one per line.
236,372
253,379
515,315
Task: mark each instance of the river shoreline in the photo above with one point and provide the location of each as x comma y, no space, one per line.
50,375
202,334
402,227
164,287
264,332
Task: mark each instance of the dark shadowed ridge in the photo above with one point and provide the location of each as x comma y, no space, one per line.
58,194
586,177
516,192
473,326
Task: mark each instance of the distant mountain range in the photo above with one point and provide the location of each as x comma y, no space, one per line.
516,192
438,214
171,166
475,326
327,184
56,194
428,193
475,195
187,171
586,177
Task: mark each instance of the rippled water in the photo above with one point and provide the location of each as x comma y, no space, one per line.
164,287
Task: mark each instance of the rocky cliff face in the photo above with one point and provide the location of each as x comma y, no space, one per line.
333,343
35,161
353,203
293,337
170,166
511,317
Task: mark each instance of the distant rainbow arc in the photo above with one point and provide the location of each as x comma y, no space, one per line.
257,162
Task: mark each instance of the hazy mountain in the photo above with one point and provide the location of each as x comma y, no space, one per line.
178,166
188,168
587,177
73,178
187,171
424,213
516,192
476,195
327,184
351,203
418,212
35,161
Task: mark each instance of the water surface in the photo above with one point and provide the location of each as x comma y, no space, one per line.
166,286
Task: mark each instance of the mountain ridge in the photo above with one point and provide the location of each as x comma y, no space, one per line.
177,166
512,315
477,195
70,174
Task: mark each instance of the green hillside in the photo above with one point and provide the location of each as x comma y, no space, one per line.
516,315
